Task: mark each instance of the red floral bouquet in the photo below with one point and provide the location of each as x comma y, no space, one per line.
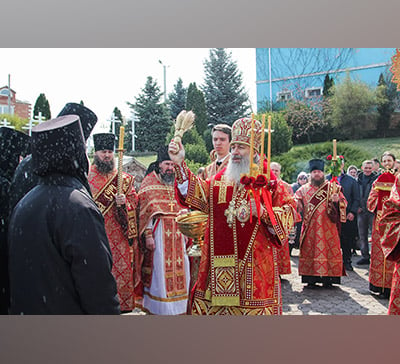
334,166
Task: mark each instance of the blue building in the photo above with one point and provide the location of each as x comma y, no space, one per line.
300,72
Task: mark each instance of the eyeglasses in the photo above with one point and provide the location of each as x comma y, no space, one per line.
303,177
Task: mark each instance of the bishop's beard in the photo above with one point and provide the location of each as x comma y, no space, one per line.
235,170
104,167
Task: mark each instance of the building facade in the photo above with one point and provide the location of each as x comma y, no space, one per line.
17,107
286,73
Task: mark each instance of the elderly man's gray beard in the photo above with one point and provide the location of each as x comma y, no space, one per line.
235,170
104,167
168,178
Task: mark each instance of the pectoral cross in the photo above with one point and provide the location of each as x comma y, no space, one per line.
172,205
230,213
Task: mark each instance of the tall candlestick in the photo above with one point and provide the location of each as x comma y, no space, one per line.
334,149
269,149
261,168
121,137
251,146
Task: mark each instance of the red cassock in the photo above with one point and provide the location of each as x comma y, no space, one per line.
284,265
120,228
320,253
238,273
389,227
380,270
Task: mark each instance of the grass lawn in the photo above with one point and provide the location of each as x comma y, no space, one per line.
376,147
147,159
373,147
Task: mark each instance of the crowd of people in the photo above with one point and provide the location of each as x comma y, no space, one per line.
78,238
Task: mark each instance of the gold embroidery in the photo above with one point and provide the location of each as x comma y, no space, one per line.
222,191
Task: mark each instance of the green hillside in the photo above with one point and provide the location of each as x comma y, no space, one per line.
376,147
294,161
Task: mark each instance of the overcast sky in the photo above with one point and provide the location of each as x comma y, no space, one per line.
105,78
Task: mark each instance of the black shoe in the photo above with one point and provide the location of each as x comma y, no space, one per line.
348,267
310,285
327,285
363,261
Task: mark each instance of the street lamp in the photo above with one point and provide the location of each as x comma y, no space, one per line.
165,80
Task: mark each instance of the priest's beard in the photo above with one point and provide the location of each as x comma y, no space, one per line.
317,182
104,167
168,177
235,170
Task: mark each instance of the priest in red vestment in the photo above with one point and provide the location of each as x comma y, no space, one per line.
238,272
284,264
389,227
164,263
119,211
323,206
380,269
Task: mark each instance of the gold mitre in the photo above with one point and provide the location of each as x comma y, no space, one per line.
241,132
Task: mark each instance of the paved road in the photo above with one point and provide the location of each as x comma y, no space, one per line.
352,297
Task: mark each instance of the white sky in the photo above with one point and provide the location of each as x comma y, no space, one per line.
105,78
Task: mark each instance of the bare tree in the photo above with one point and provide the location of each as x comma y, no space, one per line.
292,64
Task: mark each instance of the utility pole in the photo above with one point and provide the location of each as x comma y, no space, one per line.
270,78
165,80
9,95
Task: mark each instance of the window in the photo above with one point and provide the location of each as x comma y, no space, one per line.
4,92
4,109
313,92
283,96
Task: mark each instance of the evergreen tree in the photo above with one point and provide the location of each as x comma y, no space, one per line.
42,105
195,102
154,120
177,99
226,99
328,84
385,107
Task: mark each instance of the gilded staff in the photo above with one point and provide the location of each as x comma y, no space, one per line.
269,149
261,167
120,151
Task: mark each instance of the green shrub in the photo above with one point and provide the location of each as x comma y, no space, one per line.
196,153
281,137
296,160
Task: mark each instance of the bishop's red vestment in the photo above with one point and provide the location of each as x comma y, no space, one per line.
238,272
